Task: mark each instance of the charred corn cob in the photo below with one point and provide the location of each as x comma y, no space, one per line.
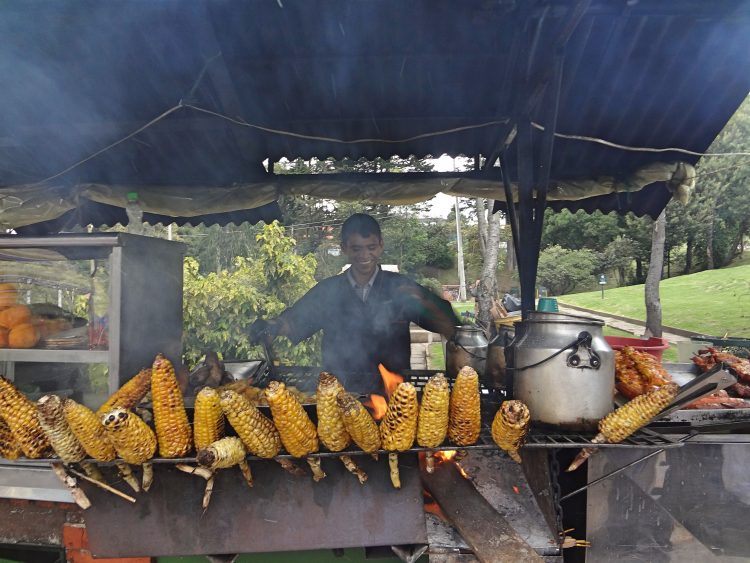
221,454
510,426
130,394
398,429
64,442
631,416
208,418
170,418
331,429
59,434
465,420
20,415
9,449
133,440
88,428
359,423
432,425
297,431
255,430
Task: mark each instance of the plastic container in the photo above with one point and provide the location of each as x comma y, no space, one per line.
654,346
547,305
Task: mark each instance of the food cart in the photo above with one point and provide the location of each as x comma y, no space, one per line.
570,104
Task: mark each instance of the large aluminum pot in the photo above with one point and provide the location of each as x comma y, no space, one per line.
563,369
495,372
468,347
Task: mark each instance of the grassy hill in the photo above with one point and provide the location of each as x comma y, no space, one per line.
715,302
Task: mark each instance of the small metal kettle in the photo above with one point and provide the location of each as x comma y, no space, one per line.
468,347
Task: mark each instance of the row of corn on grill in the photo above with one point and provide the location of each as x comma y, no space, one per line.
115,433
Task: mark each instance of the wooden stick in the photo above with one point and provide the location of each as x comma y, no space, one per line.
291,467
246,473
101,485
92,470
194,470
354,468
127,474
208,491
317,470
79,496
393,464
429,462
148,476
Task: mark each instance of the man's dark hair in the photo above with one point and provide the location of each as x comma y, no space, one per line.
361,224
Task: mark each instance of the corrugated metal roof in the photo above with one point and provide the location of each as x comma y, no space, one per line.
83,74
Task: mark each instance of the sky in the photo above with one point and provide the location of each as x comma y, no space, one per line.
442,204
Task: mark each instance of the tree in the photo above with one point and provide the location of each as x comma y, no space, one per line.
492,223
219,306
580,230
618,256
655,266
562,270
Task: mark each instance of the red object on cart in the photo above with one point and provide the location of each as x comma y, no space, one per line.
654,346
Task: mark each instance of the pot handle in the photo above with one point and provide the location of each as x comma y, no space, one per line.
583,339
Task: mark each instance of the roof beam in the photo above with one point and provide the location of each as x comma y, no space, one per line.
522,67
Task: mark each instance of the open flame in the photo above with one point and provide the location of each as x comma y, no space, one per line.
445,455
378,405
450,455
390,379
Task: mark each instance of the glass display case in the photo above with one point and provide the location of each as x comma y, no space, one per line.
81,313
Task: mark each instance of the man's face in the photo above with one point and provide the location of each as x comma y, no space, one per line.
363,253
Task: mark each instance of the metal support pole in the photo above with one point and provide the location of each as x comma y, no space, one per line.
526,269
460,245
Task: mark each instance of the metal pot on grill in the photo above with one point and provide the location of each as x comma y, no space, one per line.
468,347
563,369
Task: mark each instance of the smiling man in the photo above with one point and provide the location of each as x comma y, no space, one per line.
364,313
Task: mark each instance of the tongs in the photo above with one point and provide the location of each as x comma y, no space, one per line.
715,379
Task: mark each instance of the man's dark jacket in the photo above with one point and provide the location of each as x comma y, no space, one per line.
357,335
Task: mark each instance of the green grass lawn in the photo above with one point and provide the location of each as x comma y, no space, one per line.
714,303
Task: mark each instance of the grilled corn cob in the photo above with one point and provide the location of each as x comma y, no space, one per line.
170,419
398,429
331,429
208,418
130,394
221,454
631,416
88,428
297,431
465,418
52,420
64,443
133,440
225,453
9,449
359,423
432,425
255,430
20,415
510,426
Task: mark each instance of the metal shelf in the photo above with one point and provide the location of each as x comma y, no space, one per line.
61,356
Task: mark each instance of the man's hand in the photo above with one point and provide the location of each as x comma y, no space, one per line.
263,329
